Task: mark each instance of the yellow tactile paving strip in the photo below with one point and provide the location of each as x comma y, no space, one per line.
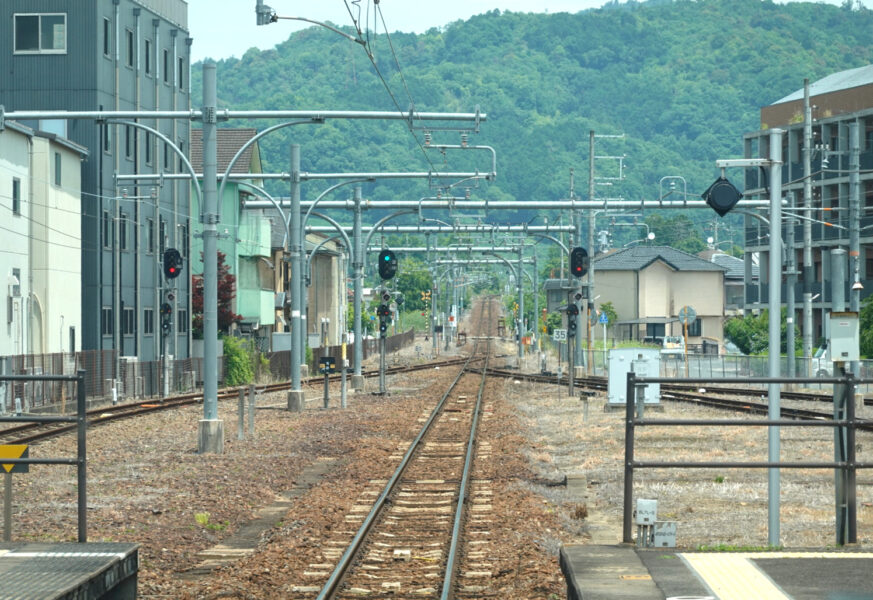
733,576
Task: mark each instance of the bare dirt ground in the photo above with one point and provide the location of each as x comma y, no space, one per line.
148,485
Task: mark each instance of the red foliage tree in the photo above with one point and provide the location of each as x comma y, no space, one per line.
226,294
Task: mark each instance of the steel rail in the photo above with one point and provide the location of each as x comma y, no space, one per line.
448,580
331,587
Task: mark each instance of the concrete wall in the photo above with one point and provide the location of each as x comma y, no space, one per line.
15,250
56,250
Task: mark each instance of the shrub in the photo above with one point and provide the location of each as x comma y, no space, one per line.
237,363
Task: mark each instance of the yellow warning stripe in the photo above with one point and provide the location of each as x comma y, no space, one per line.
733,576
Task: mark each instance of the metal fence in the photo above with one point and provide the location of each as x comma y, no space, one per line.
104,372
739,366
846,463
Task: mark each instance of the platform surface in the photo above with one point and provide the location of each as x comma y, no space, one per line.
612,572
30,571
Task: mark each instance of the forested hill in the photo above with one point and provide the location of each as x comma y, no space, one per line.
682,80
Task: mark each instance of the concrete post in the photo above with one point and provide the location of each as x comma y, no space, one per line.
854,274
791,278
838,304
211,429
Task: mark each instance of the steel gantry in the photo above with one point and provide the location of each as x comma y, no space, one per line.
211,429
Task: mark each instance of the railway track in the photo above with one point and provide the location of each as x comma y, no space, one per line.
428,518
714,397
27,433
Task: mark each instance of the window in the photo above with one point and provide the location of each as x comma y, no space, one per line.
122,232
107,230
16,287
128,141
163,233
131,47
181,73
150,236
183,234
695,329
148,57
106,327
16,196
183,322
148,321
107,146
148,148
181,146
40,34
166,66
166,157
57,169
128,321
107,37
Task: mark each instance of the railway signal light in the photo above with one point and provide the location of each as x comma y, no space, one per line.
722,196
166,310
578,261
172,263
386,296
387,264
383,327
384,311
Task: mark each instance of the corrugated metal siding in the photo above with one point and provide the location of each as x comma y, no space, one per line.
175,11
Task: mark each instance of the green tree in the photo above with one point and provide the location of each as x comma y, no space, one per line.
609,310
751,333
866,326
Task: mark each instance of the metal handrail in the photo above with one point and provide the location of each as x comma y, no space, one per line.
849,466
81,455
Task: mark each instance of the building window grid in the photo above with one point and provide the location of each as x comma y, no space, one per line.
122,232
106,321
129,141
148,321
148,57
128,321
16,196
181,74
131,48
107,230
40,33
182,325
58,169
695,329
107,37
150,236
148,148
166,61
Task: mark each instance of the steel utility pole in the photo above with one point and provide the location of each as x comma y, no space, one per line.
808,274
358,267
298,335
774,333
211,428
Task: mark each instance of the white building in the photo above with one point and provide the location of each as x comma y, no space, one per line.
40,206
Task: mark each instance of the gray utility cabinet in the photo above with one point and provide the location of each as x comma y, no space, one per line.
645,362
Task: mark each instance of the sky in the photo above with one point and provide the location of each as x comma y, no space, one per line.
226,28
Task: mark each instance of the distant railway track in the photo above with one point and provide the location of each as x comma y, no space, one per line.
713,397
28,433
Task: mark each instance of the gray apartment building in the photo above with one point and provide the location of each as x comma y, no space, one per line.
839,103
109,55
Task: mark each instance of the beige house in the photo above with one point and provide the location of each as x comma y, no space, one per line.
649,285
